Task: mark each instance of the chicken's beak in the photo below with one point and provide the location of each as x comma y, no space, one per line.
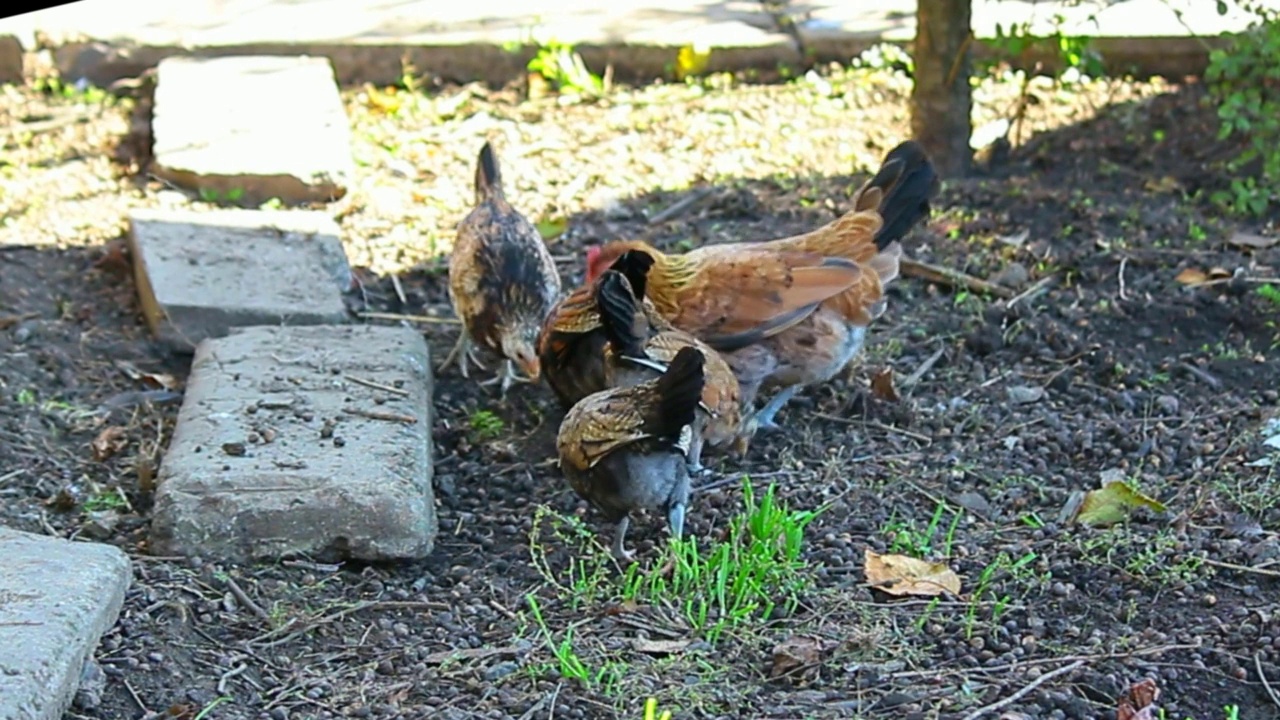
531,368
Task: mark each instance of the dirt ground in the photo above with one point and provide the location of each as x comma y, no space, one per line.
1103,362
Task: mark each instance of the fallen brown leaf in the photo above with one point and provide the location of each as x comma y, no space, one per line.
1139,703
160,381
903,575
882,386
1191,276
797,657
110,441
1249,240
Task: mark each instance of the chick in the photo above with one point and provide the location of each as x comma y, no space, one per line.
626,448
502,281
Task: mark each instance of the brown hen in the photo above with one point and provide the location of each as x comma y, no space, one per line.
626,449
502,281
792,312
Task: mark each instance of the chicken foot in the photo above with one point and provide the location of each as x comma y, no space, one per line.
619,550
507,376
763,419
463,351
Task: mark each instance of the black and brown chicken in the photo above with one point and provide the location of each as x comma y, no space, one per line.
502,281
625,449
638,351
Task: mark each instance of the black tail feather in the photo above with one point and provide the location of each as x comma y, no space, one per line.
488,177
634,264
679,392
910,182
618,305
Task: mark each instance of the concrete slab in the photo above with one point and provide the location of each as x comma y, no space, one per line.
57,598
201,273
252,128
302,440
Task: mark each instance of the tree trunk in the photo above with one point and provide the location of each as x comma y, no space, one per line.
941,100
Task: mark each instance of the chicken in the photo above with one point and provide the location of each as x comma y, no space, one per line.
636,353
792,312
572,341
502,281
626,448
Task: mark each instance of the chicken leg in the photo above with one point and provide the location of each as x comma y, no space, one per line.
463,351
620,552
507,376
764,417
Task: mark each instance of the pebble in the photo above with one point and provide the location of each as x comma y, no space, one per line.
1167,404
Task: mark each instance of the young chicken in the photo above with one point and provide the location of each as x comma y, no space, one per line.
502,281
572,342
625,448
636,353
792,312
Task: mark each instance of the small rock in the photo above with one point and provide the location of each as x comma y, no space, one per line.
1014,275
10,60
501,670
93,681
1025,394
100,525
974,502
1168,404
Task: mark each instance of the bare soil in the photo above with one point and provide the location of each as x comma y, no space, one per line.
1108,363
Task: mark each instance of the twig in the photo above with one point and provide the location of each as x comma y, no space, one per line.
1241,568
1120,277
681,206
136,699
1030,687
222,681
377,415
954,278
437,658
1224,281
1032,291
1008,667
1203,376
395,283
925,367
245,600
11,475
408,318
378,386
1257,662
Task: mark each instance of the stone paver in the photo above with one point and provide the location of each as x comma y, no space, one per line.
57,598
199,274
252,127
290,442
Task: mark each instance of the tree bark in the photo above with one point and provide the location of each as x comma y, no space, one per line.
941,100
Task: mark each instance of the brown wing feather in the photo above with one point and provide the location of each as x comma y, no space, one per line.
601,424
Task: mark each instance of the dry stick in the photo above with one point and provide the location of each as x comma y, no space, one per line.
955,278
1203,376
991,669
680,206
1257,662
245,600
1241,568
1035,289
409,318
1024,691
376,415
925,367
378,386
395,283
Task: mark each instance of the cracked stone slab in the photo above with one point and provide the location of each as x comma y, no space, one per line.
201,273
308,440
250,128
57,598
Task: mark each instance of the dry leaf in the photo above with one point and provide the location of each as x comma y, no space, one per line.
660,647
882,386
692,60
110,441
1249,240
159,381
1016,239
902,575
1139,703
1191,276
797,656
1165,184
1112,503
1218,273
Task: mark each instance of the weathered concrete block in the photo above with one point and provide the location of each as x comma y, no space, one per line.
199,274
57,598
295,440
251,128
